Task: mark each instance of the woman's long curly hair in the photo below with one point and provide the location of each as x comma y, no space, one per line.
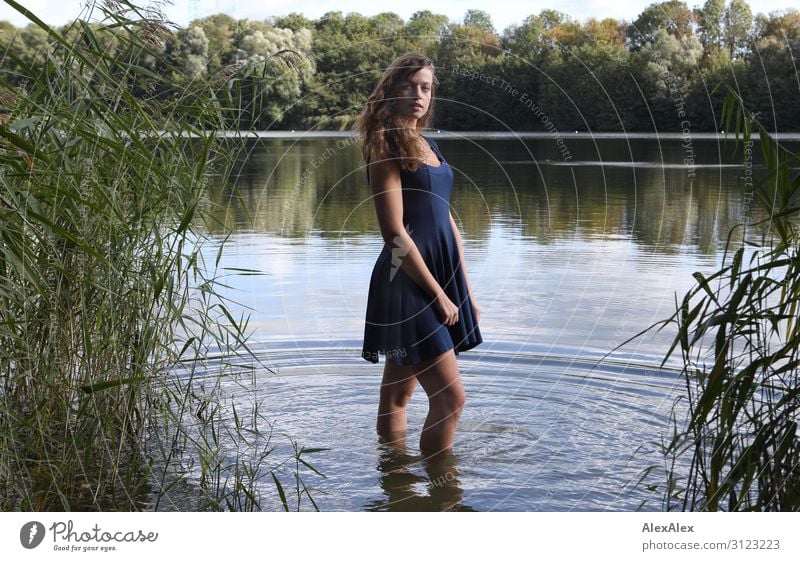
383,134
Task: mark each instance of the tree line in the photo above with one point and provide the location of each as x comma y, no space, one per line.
656,73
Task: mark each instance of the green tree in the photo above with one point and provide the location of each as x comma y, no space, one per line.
531,39
552,18
427,26
221,30
589,90
669,67
770,90
704,102
481,20
674,16
194,51
293,21
351,53
30,43
466,100
709,19
738,22
778,24
608,31
462,42
264,87
388,24
425,22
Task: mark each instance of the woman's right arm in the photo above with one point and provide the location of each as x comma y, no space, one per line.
388,199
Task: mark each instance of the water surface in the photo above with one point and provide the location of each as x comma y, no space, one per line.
570,254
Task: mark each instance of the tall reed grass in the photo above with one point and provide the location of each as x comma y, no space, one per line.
109,313
738,333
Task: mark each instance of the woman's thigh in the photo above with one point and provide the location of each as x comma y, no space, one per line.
439,376
398,380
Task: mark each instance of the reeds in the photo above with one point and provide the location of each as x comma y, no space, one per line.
108,310
739,338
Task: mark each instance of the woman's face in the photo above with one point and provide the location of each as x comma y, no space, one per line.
414,94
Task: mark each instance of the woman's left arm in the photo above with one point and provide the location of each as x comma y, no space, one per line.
464,267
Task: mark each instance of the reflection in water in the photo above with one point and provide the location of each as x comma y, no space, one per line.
642,189
405,491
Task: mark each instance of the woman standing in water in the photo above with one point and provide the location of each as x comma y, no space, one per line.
421,311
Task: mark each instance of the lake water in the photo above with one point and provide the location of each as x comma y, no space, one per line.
572,248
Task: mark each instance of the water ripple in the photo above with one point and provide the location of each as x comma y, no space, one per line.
538,432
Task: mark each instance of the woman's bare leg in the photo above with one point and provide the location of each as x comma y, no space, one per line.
440,379
397,387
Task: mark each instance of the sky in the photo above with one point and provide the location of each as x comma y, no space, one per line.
503,12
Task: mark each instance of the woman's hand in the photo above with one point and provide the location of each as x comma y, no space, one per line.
476,309
447,310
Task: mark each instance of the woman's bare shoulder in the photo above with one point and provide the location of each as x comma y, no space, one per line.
384,173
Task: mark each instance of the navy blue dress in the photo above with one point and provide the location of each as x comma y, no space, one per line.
402,322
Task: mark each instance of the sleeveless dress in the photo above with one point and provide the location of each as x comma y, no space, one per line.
402,322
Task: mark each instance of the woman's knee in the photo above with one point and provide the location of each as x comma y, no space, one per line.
442,382
397,395
451,398
398,386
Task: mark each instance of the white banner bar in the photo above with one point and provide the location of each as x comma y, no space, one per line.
390,536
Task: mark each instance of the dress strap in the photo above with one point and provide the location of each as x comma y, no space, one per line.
434,146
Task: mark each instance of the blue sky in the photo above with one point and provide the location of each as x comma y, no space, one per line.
503,12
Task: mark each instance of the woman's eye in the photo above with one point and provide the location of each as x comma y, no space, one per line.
412,87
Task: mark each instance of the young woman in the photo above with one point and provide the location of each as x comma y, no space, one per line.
421,311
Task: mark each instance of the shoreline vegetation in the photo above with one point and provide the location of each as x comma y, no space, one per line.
113,333
550,72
